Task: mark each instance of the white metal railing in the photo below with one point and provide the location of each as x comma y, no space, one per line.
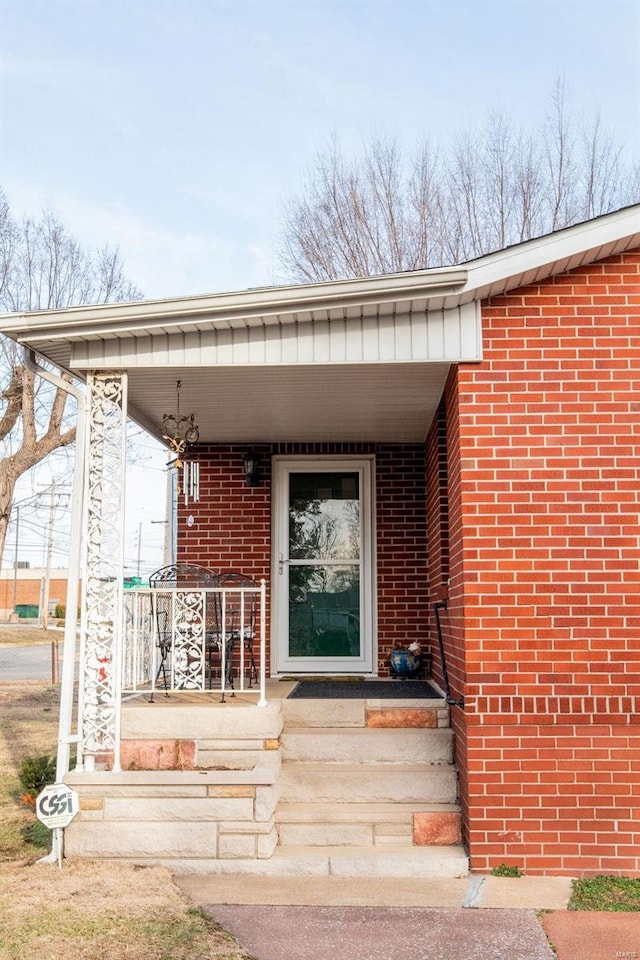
209,639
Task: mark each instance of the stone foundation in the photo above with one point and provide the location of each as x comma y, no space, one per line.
156,816
208,794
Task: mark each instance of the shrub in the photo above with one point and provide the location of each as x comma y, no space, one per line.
60,611
36,834
36,772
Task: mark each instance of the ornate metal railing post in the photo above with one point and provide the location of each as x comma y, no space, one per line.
102,620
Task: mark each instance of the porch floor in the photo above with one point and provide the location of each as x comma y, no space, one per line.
276,690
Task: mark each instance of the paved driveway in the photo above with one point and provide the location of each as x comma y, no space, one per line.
25,663
384,933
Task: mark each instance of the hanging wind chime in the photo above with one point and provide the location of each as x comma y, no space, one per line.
180,432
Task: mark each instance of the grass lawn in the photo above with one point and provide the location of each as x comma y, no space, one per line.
17,636
621,894
97,911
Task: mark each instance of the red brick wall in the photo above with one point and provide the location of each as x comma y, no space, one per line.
446,566
550,489
232,525
29,591
437,503
232,522
403,612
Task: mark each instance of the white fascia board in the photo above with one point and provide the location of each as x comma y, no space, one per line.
419,336
510,264
249,305
451,286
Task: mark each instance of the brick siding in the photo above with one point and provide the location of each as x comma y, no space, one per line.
232,525
545,569
29,591
526,493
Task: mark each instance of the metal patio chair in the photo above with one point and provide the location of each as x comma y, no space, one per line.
234,614
175,575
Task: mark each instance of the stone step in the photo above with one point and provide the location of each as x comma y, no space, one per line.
309,861
356,812
344,835
355,713
362,782
367,745
367,824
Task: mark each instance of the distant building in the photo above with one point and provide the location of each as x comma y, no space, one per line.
22,591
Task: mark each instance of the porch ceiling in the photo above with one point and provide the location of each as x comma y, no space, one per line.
362,402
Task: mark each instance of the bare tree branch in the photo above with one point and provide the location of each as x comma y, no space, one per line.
13,396
497,186
42,267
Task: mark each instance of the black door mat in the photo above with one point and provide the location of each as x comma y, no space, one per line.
364,690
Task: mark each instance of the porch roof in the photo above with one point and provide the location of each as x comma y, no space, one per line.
358,359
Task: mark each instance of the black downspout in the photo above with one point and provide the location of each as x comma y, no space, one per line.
451,702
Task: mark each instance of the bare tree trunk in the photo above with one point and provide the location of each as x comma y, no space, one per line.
42,267
7,488
33,447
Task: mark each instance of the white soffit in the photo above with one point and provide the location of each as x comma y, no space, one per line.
336,402
434,336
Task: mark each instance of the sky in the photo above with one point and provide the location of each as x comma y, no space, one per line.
178,131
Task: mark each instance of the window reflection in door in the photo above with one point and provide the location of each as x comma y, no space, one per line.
324,565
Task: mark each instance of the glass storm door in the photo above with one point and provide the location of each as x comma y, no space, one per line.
322,575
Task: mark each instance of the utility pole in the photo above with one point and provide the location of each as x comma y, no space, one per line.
166,552
47,578
45,592
139,547
15,562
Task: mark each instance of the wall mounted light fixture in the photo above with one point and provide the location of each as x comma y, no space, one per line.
251,465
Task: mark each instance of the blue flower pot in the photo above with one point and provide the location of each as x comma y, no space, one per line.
404,663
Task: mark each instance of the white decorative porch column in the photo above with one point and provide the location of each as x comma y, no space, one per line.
101,623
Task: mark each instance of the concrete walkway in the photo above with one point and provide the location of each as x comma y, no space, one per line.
580,935
477,918
384,933
531,893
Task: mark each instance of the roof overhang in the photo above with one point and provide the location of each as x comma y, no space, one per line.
358,359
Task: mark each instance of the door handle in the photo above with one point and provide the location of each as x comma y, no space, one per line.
281,563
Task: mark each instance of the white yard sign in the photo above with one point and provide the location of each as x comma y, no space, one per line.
57,805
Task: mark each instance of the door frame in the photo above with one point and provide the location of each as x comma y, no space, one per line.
281,663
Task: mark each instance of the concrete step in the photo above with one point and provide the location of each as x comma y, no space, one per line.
354,824
362,783
368,745
309,861
357,812
345,835
364,824
353,713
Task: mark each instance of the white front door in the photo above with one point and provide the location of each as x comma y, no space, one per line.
323,617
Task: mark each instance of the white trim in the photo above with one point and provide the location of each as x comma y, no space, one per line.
509,268
418,336
281,662
446,287
100,319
